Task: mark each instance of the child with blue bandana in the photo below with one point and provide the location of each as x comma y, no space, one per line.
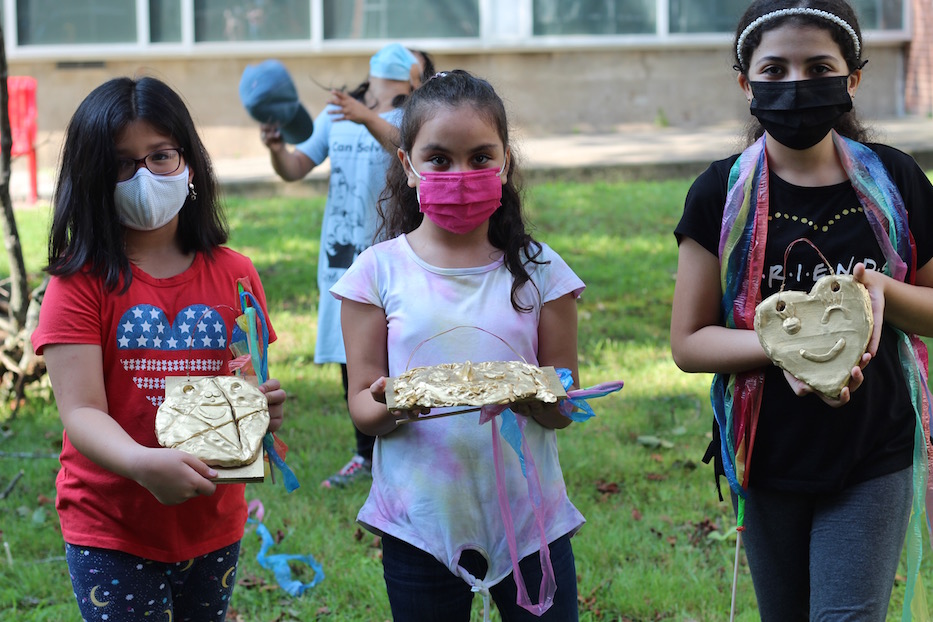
359,156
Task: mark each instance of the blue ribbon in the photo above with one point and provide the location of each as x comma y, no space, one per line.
278,564
259,351
576,397
512,433
289,479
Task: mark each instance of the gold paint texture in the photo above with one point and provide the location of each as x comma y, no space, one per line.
471,384
219,419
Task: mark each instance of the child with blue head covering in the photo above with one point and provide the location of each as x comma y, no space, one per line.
393,62
359,156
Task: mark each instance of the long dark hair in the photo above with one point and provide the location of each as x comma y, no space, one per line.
427,64
86,230
848,125
398,207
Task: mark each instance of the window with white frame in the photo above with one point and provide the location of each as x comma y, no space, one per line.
165,21
619,17
53,22
879,14
191,22
400,19
251,20
594,17
688,16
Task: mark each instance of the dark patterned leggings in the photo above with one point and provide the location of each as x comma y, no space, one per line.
113,586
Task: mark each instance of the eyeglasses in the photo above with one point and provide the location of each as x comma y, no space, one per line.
161,162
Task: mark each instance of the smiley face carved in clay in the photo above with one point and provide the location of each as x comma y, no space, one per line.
818,337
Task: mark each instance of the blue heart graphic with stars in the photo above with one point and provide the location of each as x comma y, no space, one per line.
151,347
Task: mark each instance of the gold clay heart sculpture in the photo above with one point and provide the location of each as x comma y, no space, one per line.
817,337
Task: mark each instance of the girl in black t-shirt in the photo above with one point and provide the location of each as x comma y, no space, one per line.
823,487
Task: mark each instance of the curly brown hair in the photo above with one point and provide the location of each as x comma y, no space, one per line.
398,208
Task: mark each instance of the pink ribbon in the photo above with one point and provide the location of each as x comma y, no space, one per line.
548,584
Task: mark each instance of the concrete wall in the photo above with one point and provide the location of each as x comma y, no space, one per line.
594,90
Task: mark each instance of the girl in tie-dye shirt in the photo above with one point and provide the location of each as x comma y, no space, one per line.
469,264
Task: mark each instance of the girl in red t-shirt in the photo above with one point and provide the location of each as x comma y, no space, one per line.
141,288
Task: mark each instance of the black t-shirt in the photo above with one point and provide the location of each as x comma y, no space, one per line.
802,444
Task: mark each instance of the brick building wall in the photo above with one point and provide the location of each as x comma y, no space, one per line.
918,96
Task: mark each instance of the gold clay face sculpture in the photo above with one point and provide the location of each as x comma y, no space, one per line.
818,337
219,419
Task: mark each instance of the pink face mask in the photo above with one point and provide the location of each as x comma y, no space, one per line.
459,201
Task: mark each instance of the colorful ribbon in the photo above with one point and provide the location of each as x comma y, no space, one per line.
278,563
512,429
577,397
257,353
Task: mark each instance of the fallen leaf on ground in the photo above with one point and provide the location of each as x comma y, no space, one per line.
607,487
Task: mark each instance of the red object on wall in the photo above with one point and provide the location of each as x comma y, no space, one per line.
23,126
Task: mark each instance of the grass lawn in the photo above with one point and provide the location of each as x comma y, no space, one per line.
656,543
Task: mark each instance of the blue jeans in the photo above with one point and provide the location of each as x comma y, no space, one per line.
827,557
119,587
421,589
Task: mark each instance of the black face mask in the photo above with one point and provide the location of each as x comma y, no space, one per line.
800,114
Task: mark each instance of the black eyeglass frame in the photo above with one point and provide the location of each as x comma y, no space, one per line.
136,161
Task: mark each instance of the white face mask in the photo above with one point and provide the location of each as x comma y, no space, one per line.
147,202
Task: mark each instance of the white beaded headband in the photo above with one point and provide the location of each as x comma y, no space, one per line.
767,17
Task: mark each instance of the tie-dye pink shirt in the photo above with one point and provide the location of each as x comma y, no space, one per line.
434,481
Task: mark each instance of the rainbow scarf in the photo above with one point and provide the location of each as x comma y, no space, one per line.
736,398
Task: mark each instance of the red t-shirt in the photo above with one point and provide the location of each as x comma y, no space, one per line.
157,328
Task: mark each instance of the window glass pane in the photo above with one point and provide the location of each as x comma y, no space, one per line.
722,15
706,15
394,19
252,20
879,14
165,21
50,22
594,17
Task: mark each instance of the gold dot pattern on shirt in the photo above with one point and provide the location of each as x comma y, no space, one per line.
836,219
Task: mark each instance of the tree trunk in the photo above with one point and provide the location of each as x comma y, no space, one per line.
19,287
19,312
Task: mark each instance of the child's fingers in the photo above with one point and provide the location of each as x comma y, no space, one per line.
202,469
273,391
270,385
378,390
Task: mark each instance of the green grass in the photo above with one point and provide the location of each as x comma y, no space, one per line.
634,471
